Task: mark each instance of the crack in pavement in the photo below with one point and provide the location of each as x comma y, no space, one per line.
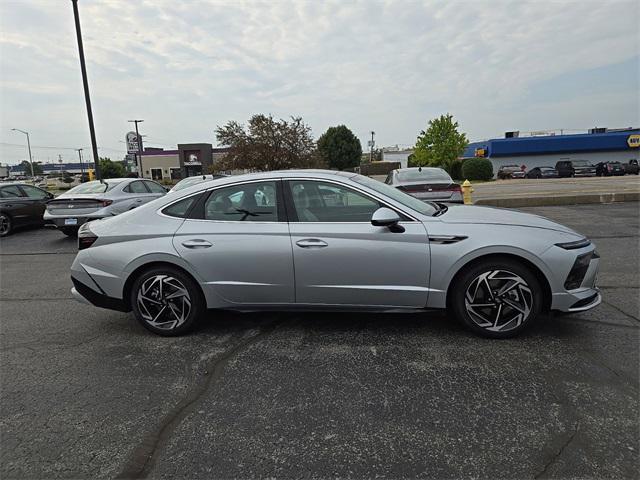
143,457
621,311
560,451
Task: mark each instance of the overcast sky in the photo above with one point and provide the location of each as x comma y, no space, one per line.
186,67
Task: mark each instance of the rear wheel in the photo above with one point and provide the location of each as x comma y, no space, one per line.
69,231
166,301
5,225
497,298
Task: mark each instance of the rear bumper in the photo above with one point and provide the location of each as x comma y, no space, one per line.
85,294
63,220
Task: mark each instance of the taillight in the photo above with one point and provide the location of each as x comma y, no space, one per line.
454,188
609,167
106,203
86,237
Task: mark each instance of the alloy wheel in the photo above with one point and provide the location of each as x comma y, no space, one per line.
163,302
499,300
5,225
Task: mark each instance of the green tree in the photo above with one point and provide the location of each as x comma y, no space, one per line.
267,144
340,148
111,169
441,144
37,167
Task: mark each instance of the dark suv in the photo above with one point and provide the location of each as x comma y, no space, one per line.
575,168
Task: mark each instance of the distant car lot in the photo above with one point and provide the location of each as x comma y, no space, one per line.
89,393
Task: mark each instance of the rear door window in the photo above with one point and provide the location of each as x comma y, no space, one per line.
10,191
136,187
154,187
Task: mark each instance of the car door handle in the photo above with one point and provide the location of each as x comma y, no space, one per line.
196,243
312,243
138,200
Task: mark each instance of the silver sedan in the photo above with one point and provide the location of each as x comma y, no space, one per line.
323,240
94,200
426,183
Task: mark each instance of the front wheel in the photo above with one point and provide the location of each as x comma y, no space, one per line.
166,301
497,298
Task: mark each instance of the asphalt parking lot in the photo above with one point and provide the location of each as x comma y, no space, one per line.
87,393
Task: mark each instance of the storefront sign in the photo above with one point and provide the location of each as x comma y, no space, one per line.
633,141
132,142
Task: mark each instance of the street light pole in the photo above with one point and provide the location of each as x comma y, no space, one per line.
87,98
139,140
28,146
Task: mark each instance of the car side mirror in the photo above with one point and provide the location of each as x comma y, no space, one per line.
385,217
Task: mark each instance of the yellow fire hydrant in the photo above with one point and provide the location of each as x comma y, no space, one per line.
467,190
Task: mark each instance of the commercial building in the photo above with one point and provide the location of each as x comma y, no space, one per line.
397,154
51,168
546,148
188,160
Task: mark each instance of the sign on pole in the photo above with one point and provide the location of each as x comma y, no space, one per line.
132,142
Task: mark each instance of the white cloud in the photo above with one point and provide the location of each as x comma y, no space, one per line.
188,66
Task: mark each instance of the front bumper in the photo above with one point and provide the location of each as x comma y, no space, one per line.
583,298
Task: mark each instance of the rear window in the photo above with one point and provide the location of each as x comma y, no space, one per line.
94,187
421,175
580,163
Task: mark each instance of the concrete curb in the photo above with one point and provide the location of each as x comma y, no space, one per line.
586,198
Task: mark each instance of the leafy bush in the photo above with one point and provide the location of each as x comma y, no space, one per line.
455,170
477,169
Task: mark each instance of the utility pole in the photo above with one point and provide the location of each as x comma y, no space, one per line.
87,98
81,168
60,162
371,144
28,146
139,140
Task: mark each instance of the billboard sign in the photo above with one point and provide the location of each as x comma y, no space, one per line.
132,142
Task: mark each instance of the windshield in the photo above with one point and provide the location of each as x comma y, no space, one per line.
395,194
94,187
415,175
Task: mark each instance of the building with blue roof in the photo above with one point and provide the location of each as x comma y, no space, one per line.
599,145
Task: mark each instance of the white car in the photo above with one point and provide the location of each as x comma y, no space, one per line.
99,199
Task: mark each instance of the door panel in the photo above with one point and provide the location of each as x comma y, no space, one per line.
341,259
246,259
359,264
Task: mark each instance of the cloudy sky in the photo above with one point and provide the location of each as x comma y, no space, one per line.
188,66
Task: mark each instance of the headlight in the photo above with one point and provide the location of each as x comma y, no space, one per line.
585,242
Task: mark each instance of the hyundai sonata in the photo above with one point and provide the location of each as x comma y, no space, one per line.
324,240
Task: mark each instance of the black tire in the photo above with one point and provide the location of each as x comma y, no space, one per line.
69,231
173,280
527,294
6,224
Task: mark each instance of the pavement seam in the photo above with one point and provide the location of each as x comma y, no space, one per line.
621,311
560,451
144,456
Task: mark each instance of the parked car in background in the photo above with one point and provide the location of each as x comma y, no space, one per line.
631,167
21,205
327,240
426,183
575,168
607,169
542,172
189,181
510,171
99,199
